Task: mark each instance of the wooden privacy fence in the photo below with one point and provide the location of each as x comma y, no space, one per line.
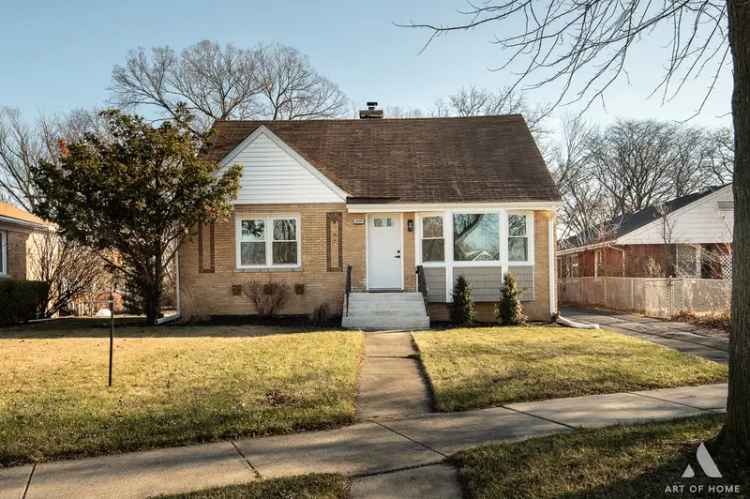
653,296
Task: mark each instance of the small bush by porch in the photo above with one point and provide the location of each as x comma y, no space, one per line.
482,367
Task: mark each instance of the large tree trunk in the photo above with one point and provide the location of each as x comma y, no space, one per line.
152,303
738,409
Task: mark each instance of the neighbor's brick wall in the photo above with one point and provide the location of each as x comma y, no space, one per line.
16,251
537,310
211,293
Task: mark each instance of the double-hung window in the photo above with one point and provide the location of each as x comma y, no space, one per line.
433,239
518,238
268,241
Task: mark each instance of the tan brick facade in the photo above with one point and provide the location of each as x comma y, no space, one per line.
205,293
17,249
210,293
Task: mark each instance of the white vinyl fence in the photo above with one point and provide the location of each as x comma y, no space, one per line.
653,296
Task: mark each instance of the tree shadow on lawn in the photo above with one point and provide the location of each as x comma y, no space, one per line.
135,327
191,418
616,462
666,479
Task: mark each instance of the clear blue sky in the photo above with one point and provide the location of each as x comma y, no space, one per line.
58,56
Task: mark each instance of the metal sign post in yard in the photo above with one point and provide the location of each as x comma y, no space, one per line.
111,327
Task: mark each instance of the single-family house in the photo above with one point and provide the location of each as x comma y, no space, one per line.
17,230
355,214
690,236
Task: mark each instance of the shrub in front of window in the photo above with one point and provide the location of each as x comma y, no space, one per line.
462,308
321,315
21,301
509,310
267,298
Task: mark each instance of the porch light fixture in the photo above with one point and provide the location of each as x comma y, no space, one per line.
410,225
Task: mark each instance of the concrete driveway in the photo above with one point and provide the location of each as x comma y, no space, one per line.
680,336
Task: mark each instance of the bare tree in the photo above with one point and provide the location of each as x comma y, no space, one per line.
475,101
292,89
634,161
401,112
73,271
212,82
585,212
20,147
583,45
718,155
23,145
219,83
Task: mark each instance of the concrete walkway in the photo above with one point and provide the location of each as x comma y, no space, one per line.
680,336
391,385
395,458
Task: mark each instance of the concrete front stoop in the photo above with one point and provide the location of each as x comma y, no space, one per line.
385,311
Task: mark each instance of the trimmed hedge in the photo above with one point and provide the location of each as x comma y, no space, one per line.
21,301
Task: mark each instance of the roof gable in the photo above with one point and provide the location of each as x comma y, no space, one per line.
698,220
478,159
646,226
274,173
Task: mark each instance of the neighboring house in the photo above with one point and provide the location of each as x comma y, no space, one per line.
456,196
17,229
690,236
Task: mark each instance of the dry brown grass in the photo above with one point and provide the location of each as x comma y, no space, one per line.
484,367
172,386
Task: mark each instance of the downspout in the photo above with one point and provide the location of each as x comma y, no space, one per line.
552,266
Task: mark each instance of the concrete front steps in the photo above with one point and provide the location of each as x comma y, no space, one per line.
386,311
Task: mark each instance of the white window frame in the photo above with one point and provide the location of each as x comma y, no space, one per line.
4,253
268,221
529,238
502,228
420,237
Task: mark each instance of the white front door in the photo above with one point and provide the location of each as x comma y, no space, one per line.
384,251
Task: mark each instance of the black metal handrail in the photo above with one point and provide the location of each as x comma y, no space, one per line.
348,286
422,283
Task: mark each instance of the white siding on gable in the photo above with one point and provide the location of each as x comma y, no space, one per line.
272,175
703,221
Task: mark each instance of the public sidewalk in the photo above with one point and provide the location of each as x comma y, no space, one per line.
374,453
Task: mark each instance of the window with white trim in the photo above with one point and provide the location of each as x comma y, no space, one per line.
433,239
269,241
476,237
3,253
518,238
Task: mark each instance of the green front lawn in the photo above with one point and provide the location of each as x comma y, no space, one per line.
172,386
617,462
483,367
317,486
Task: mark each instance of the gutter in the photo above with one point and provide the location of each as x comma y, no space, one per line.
24,223
578,249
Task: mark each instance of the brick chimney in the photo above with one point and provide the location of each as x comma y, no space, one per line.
371,113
